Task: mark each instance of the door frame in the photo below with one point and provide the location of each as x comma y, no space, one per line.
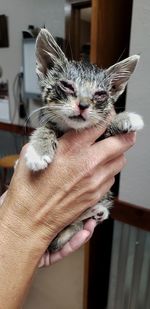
72,26
109,43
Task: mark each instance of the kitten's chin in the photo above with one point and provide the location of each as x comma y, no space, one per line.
78,124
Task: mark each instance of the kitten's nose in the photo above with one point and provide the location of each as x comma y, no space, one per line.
83,105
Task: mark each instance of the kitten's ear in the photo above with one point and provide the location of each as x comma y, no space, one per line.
48,53
119,74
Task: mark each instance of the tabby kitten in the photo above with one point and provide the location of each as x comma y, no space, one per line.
76,95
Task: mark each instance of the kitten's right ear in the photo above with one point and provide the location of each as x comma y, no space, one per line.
48,54
119,74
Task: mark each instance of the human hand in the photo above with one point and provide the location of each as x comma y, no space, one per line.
75,243
39,205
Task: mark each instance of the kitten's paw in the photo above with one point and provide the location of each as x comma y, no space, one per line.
126,122
136,122
97,212
36,162
100,213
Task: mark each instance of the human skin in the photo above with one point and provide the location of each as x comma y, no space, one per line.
39,205
78,240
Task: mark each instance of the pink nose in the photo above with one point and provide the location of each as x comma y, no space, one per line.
83,105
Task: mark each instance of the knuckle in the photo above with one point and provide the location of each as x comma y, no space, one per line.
112,181
89,174
95,197
93,184
119,164
24,149
122,161
89,167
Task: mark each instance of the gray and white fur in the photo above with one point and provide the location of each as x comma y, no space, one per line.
76,95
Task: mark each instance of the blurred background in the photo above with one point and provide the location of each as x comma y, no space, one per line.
113,270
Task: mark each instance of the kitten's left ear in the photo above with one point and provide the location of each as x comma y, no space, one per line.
119,74
48,54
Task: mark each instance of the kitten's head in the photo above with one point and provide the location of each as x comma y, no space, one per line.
78,95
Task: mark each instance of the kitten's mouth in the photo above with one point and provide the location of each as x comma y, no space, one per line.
77,118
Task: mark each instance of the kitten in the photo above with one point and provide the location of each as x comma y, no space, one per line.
76,95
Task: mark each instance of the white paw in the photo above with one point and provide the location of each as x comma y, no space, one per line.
102,213
97,212
34,161
136,120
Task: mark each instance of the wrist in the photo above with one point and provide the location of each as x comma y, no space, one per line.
23,231
18,261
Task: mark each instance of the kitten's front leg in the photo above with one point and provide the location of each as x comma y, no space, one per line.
99,212
41,149
65,235
123,123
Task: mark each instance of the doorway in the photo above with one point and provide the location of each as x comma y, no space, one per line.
78,29
109,33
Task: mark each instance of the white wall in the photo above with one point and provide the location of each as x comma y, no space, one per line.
135,179
22,13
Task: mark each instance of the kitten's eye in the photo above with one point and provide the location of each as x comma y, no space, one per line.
100,95
67,86
114,88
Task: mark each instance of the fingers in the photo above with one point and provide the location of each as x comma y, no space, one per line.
45,260
113,147
102,152
110,169
93,197
74,244
115,166
101,181
90,226
102,175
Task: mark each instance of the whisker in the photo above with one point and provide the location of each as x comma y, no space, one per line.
35,111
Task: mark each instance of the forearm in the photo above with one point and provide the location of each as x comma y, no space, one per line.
18,260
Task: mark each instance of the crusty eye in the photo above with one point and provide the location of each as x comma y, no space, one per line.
67,86
100,95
